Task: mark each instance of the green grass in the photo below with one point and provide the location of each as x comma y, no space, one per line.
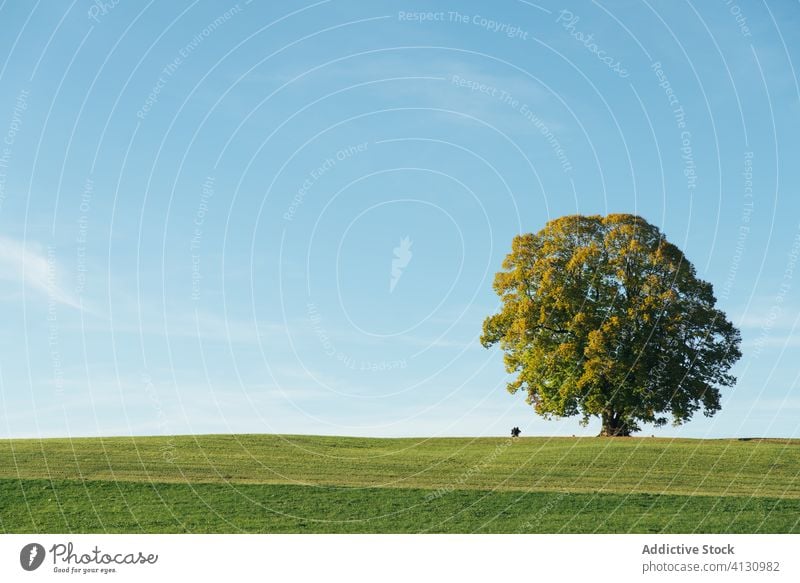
267,483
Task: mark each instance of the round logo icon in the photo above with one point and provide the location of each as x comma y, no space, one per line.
31,556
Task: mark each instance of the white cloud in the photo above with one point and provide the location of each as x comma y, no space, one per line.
33,269
774,341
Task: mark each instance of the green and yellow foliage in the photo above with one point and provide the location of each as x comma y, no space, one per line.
602,316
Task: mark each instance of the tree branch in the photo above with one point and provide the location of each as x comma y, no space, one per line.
554,330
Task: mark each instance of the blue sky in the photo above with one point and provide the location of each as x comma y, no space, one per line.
286,217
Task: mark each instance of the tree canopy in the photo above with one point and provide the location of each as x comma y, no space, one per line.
602,316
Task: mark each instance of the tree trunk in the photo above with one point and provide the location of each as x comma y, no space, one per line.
614,425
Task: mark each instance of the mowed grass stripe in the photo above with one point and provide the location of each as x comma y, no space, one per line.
94,507
760,468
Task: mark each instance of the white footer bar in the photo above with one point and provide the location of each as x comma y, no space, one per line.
389,558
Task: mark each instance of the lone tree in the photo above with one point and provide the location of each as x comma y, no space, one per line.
602,316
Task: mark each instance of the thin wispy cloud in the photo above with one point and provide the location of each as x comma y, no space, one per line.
485,93
775,320
34,270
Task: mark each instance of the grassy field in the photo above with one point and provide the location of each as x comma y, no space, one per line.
269,483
